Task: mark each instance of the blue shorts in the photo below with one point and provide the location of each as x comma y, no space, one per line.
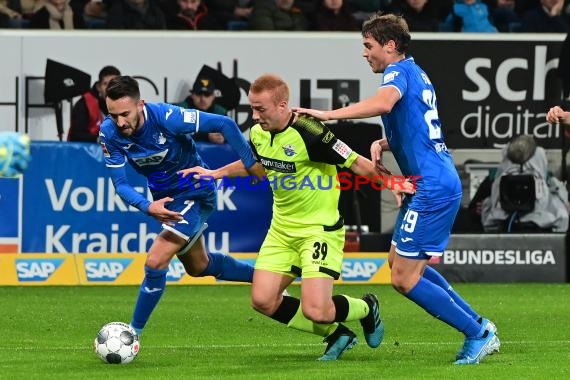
194,210
422,234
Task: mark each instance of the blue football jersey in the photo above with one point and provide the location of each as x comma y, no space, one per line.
414,133
162,147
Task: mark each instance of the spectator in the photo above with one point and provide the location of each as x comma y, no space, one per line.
19,12
471,16
191,15
504,16
89,112
334,15
363,9
545,18
202,97
232,14
9,18
93,12
420,15
135,14
277,15
53,14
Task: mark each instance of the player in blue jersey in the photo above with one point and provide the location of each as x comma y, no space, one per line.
407,103
154,139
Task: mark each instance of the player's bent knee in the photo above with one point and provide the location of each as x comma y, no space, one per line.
264,305
316,314
156,262
401,282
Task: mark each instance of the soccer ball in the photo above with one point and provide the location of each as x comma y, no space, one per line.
117,343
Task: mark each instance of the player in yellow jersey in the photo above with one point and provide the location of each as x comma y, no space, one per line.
306,237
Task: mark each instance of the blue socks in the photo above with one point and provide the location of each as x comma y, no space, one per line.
439,304
435,277
149,294
227,268
220,266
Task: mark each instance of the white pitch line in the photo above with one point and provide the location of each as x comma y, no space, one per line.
277,345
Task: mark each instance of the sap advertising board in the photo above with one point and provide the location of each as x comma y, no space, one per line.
70,206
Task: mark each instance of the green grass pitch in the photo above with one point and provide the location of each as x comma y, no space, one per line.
210,332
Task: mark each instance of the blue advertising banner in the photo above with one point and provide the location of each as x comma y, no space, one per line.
70,206
9,215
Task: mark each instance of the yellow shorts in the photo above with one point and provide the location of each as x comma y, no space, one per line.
308,252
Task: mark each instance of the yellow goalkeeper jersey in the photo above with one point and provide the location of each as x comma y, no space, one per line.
300,162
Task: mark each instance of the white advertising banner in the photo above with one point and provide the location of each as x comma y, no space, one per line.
168,63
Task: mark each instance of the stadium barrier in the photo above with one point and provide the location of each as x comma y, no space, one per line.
504,258
128,269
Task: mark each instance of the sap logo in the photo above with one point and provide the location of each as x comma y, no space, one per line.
105,269
360,269
175,271
36,269
151,160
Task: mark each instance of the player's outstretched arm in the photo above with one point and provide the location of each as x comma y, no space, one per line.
557,115
378,104
228,127
234,169
364,167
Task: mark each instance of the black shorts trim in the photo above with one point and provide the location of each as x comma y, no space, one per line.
296,270
337,226
330,272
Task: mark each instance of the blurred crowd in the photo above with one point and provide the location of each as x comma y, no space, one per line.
489,16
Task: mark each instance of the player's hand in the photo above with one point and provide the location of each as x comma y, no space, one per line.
14,153
257,170
320,115
162,214
400,189
556,9
556,115
376,149
197,172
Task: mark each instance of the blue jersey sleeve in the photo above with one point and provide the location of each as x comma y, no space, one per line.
184,121
126,191
217,123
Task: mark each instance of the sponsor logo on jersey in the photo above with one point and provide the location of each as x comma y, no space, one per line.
168,113
100,270
360,269
278,165
289,150
154,159
390,77
342,149
189,116
328,137
36,269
